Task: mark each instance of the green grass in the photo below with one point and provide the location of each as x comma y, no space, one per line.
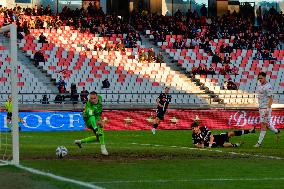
141,166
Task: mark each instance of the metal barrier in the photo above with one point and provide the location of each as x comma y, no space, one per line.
142,98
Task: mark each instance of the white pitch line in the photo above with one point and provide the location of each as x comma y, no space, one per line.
60,178
187,180
212,150
3,163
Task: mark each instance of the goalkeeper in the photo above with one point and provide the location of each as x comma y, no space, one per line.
92,118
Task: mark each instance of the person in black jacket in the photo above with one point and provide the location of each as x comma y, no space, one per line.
106,84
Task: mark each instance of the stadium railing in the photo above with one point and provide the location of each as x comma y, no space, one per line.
134,98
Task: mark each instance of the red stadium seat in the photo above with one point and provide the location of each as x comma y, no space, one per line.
90,79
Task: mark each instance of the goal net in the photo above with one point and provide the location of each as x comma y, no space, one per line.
9,137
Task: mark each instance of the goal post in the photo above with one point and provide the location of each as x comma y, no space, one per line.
12,28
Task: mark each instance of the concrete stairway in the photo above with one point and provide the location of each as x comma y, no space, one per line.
26,63
186,80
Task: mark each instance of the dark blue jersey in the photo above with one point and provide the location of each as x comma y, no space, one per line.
203,137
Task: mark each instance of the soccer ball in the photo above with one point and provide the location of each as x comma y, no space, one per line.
61,151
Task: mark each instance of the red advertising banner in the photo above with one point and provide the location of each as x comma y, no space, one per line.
181,119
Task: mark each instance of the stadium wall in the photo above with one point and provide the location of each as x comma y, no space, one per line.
142,119
53,3
12,3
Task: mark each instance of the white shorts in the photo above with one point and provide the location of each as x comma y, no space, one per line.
265,115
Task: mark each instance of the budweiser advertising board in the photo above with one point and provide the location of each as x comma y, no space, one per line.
181,119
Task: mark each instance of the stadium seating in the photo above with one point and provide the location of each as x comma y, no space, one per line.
70,53
241,58
89,68
27,82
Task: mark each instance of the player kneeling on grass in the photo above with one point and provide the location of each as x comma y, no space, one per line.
202,137
92,117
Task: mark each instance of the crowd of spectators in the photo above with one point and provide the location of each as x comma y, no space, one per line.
90,20
150,56
203,30
230,85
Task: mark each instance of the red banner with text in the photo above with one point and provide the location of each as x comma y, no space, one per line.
181,119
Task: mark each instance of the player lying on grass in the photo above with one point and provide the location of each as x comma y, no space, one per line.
202,137
92,118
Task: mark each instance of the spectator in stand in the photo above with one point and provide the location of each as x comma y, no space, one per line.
35,11
74,95
61,89
272,11
235,70
91,9
258,55
211,71
225,85
40,10
207,46
151,55
84,95
216,58
44,99
106,84
38,57
194,70
61,84
48,11
227,68
178,44
259,16
222,48
142,55
120,46
32,24
108,46
42,38
231,85
202,70
160,58
203,10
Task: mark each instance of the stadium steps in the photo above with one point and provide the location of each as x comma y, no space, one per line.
34,72
192,87
43,78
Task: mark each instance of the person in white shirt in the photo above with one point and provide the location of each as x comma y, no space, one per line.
264,92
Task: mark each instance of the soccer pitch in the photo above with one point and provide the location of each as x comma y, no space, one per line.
139,159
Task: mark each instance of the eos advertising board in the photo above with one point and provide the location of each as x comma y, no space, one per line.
47,121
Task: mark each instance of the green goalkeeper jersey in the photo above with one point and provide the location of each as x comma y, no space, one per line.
93,109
